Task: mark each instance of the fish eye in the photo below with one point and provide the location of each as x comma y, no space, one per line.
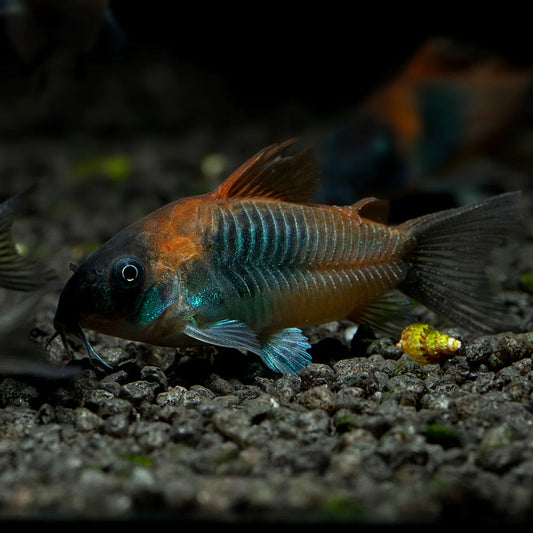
129,272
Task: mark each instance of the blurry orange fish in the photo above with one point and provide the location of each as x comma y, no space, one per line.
447,102
446,107
251,263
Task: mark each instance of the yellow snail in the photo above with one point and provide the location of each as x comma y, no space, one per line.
426,345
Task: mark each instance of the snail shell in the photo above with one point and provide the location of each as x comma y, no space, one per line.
427,345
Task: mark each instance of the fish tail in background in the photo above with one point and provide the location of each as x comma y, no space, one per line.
18,272
19,354
448,261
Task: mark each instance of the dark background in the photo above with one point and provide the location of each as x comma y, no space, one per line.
268,52
244,77
323,57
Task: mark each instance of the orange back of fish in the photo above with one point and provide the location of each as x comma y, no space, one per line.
280,264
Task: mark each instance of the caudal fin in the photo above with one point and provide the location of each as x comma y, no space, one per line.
18,272
449,257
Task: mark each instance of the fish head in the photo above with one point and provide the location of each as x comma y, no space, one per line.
100,293
123,289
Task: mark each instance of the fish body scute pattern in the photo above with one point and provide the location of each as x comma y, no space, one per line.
288,263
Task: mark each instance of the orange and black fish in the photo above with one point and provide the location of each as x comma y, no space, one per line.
251,263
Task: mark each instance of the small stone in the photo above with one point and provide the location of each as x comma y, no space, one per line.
154,374
96,397
320,397
86,420
233,424
317,374
497,451
114,406
139,391
116,425
17,393
173,396
151,435
220,386
407,388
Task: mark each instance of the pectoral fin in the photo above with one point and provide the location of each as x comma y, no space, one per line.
284,352
227,333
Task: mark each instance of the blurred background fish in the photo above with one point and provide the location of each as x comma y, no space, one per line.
55,38
448,107
18,353
18,272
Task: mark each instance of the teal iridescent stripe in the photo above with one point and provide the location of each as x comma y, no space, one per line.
264,233
268,252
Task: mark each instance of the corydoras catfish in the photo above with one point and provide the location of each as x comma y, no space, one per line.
251,263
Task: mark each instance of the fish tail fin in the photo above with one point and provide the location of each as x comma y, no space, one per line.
448,259
18,272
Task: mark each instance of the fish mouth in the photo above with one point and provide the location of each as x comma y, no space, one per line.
63,331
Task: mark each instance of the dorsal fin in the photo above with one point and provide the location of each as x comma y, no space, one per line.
269,174
370,208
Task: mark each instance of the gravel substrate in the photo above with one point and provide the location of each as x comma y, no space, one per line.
376,438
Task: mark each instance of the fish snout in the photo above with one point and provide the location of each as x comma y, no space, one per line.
68,317
68,325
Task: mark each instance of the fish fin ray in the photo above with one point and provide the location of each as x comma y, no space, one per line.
448,259
389,314
269,174
286,351
18,272
227,333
